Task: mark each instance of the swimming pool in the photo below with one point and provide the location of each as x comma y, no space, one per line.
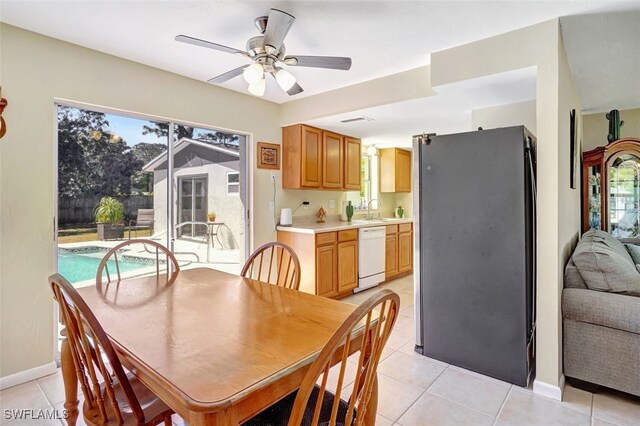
78,266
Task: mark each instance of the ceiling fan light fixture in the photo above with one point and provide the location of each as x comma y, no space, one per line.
253,74
285,79
257,89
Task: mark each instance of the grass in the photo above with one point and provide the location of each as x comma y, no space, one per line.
83,235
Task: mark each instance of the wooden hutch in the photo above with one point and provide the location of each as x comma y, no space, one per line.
611,188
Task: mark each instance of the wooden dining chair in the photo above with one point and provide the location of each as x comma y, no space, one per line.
158,256
313,404
274,263
111,396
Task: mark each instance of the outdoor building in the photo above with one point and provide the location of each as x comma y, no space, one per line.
207,180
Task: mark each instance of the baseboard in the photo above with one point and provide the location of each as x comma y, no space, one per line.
27,375
550,391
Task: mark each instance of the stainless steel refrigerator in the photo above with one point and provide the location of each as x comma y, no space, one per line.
476,244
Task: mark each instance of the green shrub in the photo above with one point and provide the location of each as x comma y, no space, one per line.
109,210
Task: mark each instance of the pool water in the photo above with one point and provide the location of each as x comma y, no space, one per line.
76,267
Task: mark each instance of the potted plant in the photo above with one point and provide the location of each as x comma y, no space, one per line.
211,216
109,214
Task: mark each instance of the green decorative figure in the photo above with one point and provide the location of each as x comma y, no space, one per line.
349,211
400,212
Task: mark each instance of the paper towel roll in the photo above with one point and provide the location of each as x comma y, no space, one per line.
286,217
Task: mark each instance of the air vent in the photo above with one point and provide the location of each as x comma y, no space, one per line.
351,120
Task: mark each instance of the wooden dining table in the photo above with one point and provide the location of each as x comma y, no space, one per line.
217,348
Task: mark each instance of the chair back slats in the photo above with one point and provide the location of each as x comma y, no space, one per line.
171,266
371,323
95,360
274,263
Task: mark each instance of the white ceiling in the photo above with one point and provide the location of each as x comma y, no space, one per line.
604,55
382,37
447,112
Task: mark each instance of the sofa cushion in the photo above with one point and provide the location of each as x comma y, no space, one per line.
605,265
634,252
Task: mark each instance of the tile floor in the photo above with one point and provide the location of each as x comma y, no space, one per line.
415,390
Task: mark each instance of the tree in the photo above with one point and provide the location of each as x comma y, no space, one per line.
161,130
91,160
145,152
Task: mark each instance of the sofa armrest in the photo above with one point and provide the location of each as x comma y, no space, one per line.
606,309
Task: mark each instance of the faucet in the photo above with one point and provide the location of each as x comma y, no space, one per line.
369,208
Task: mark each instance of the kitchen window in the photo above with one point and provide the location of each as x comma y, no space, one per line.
369,185
233,183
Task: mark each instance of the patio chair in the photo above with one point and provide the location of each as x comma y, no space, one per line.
111,395
145,219
313,404
283,269
169,263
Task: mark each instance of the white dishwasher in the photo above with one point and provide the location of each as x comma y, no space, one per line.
370,257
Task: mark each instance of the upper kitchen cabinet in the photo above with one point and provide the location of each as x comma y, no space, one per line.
318,159
332,160
301,157
395,170
352,158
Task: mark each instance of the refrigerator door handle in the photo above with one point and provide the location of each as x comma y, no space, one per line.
528,153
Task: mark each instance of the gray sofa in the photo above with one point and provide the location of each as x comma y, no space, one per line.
601,314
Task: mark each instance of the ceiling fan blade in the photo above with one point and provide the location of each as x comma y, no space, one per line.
278,25
295,90
203,43
330,62
227,75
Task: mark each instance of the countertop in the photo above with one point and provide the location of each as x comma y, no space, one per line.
330,226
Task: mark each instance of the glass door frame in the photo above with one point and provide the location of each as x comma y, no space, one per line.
248,183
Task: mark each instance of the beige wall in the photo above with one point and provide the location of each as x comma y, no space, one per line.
541,46
521,113
35,71
596,128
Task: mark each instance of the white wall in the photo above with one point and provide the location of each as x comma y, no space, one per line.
36,70
521,113
596,128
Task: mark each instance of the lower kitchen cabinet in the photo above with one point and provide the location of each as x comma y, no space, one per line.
347,266
328,261
326,270
398,250
391,256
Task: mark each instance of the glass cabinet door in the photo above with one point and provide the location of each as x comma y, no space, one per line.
624,196
595,200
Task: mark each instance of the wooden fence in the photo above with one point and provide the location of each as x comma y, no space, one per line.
80,210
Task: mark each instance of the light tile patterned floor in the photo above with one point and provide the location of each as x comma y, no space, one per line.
418,391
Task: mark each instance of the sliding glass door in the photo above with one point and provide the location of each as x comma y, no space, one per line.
189,195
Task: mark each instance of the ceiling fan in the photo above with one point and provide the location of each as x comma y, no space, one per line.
267,51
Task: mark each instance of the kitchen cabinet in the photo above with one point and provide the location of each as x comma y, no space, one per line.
352,159
395,170
328,261
301,157
347,266
318,159
326,270
332,160
398,250
405,252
